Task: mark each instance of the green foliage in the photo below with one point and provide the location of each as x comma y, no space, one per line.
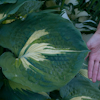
80,87
7,1
40,51
46,61
14,91
92,7
84,14
19,8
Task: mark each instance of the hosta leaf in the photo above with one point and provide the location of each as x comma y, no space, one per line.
84,72
15,91
47,51
50,3
82,13
85,27
81,98
29,6
91,23
9,19
7,1
80,88
74,2
22,6
65,15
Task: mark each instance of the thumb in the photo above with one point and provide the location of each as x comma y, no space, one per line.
89,45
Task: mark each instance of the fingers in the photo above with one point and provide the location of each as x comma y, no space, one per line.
95,71
98,76
90,68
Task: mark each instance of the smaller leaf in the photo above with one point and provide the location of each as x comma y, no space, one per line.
21,7
82,98
28,7
7,1
84,72
50,3
80,87
15,91
74,2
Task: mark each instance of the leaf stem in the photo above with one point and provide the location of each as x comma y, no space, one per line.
62,4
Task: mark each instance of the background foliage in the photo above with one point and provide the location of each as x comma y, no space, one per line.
29,24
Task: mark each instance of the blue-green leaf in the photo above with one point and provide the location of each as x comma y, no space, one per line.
7,1
47,51
15,91
80,88
21,7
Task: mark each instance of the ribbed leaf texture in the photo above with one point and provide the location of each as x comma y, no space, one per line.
47,51
80,88
19,8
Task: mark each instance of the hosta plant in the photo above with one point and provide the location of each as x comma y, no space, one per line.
84,14
40,51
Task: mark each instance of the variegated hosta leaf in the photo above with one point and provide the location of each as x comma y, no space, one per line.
81,98
47,51
22,6
88,26
91,6
15,91
84,72
65,15
80,88
29,6
74,2
7,1
79,14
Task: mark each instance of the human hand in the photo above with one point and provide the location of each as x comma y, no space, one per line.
94,57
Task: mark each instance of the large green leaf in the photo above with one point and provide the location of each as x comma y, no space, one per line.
15,91
47,51
22,6
7,1
80,88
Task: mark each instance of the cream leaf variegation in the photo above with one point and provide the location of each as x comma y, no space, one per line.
47,51
81,98
36,50
33,37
